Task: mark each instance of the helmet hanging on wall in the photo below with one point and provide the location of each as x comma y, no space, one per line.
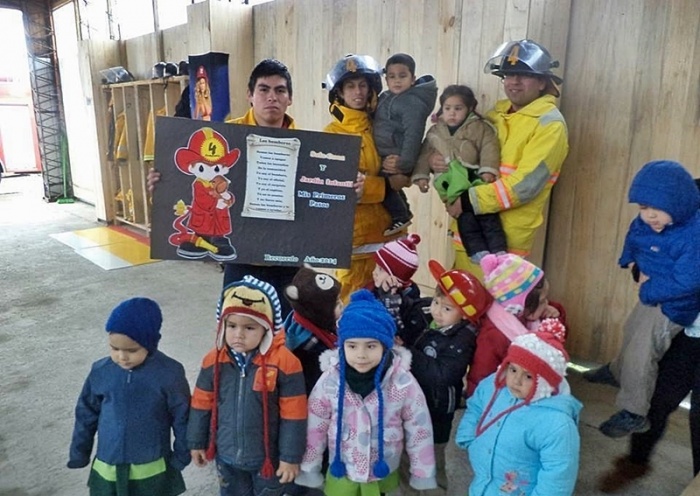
522,57
351,66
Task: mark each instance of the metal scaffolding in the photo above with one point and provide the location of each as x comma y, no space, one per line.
48,108
46,93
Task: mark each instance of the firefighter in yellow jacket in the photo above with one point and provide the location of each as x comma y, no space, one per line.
534,143
354,84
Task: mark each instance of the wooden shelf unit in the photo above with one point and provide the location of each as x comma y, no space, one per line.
128,167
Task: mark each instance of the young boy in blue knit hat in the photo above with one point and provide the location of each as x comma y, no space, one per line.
366,409
249,403
663,251
135,456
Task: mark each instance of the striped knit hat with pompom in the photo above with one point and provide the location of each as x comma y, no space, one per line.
399,258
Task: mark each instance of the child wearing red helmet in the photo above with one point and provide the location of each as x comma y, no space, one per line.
442,353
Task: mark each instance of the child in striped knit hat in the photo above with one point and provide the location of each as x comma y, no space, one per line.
521,424
367,408
392,285
249,403
520,291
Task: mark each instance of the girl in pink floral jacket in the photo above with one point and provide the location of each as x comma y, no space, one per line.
366,408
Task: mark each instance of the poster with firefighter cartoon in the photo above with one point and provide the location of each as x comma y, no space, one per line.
244,194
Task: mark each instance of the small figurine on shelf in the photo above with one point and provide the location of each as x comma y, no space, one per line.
202,96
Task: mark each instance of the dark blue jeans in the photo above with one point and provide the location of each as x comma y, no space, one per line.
236,482
679,374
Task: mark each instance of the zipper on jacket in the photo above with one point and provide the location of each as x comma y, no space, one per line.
128,406
239,416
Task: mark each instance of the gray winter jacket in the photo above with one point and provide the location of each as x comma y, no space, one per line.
399,122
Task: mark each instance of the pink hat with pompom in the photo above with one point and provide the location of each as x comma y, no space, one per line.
510,278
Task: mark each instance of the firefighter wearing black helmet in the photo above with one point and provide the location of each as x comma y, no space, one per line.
534,143
353,84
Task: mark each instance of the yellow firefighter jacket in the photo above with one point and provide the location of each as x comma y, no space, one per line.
534,143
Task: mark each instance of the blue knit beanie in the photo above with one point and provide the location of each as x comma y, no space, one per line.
666,185
364,317
138,318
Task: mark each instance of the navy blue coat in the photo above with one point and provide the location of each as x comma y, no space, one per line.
133,412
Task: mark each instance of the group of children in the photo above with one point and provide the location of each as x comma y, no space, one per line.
361,399
333,396
461,139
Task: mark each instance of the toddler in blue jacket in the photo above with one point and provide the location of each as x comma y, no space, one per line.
663,250
521,423
133,400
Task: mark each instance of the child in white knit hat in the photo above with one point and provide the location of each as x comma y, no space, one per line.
521,424
367,409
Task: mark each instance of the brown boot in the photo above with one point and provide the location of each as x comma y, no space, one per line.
625,472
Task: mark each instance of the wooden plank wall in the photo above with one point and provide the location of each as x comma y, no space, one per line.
225,27
631,96
175,43
450,39
142,53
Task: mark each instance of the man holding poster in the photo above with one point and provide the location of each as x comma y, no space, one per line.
269,94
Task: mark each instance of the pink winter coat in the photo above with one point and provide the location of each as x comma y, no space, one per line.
406,423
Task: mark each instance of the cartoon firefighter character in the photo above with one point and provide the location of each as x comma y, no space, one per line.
202,227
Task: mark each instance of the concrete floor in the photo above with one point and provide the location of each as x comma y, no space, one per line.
53,307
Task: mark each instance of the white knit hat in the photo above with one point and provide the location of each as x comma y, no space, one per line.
543,355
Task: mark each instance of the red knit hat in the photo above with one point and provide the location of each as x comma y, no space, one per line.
399,258
543,355
540,353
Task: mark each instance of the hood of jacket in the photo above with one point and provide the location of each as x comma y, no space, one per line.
564,403
425,89
666,185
